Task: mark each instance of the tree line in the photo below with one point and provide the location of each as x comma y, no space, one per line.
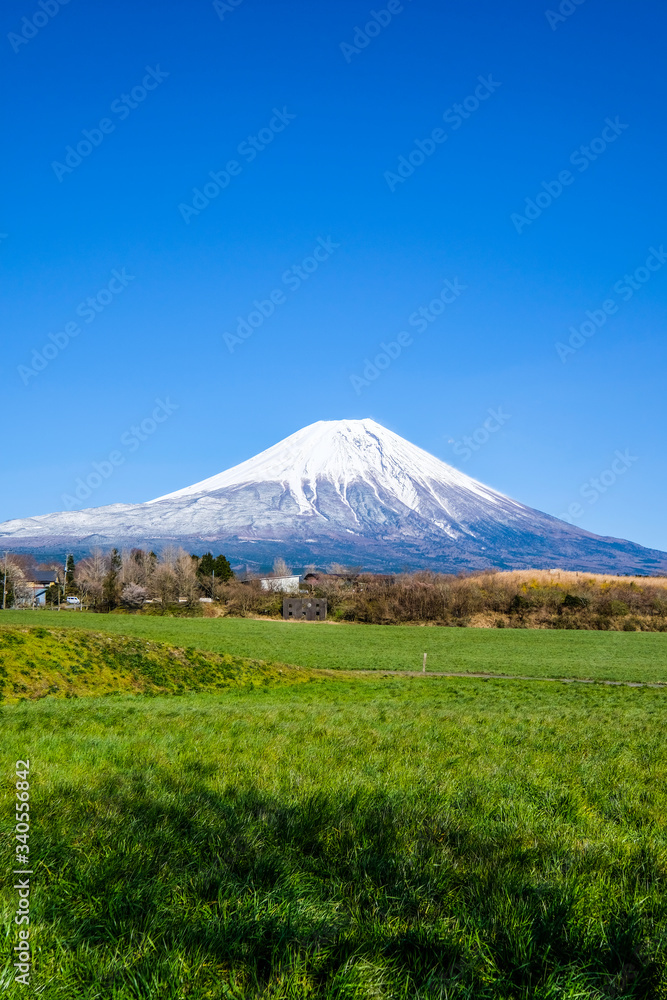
522,599
130,578
134,578
127,578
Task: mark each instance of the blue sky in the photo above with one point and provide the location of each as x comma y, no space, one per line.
169,94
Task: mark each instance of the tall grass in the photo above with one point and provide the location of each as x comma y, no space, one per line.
384,838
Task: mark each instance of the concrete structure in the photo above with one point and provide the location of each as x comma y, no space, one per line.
311,609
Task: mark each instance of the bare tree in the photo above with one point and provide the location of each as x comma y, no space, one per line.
90,574
26,563
169,555
18,591
138,567
280,568
165,585
187,582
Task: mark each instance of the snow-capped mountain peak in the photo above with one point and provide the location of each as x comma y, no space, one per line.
341,452
345,491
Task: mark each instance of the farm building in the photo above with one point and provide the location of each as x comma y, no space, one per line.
286,584
38,583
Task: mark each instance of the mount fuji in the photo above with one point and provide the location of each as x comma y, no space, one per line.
344,490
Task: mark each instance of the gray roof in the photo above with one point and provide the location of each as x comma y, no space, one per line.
41,576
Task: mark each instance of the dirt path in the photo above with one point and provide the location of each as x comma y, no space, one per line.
512,677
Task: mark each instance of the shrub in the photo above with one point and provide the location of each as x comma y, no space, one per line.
575,601
519,605
614,608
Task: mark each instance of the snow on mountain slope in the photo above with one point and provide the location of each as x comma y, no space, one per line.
342,452
344,490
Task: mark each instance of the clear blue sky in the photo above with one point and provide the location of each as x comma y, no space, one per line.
330,173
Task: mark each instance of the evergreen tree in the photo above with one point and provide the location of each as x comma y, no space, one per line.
111,586
52,594
223,571
69,574
208,566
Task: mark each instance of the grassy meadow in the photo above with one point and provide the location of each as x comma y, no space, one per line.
347,838
215,816
631,656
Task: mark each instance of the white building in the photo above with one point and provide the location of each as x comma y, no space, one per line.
282,584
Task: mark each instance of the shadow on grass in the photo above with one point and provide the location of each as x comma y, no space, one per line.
168,889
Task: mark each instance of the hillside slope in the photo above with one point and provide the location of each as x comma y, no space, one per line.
37,662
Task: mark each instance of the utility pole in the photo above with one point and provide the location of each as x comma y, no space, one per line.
213,586
4,586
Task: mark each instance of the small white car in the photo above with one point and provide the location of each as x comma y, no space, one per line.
73,600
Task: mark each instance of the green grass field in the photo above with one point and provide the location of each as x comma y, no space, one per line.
346,838
632,656
268,832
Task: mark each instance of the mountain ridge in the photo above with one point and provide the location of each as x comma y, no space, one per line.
345,490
